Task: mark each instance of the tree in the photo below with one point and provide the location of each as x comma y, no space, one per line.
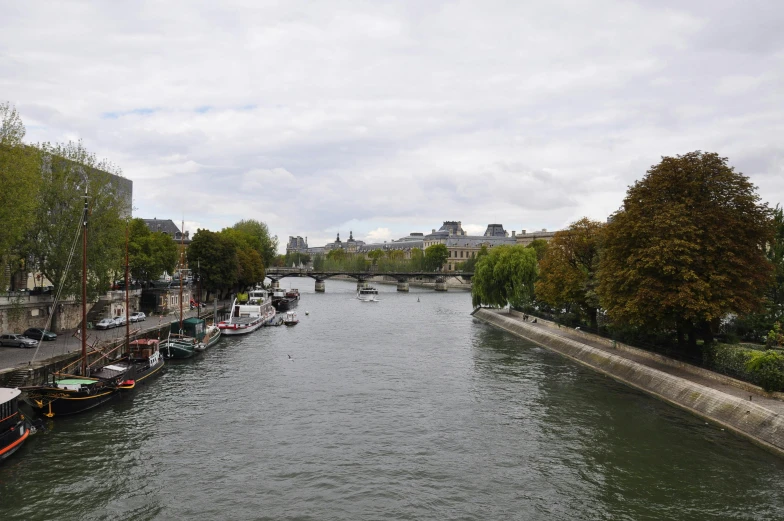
470,264
55,230
686,248
540,246
217,257
267,245
318,262
417,259
505,276
250,265
19,179
375,255
435,257
567,273
150,254
338,255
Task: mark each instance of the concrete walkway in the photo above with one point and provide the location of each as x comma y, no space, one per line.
739,406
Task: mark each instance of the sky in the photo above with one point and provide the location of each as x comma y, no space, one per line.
385,118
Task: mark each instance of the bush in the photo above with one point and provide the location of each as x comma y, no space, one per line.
767,368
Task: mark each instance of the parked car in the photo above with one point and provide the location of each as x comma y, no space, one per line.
14,340
137,316
105,323
39,334
119,320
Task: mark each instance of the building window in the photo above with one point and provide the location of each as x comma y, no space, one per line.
461,254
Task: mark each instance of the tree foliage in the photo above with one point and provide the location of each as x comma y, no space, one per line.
267,244
64,170
505,276
150,254
568,269
375,255
540,246
687,247
216,256
19,182
435,257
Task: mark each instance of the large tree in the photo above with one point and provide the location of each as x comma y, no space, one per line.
217,259
567,272
504,276
267,245
686,248
51,240
150,254
435,257
19,183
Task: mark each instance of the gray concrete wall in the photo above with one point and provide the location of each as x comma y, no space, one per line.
748,419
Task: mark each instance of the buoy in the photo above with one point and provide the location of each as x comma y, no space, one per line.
307,312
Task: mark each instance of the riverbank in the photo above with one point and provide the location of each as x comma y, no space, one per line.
741,407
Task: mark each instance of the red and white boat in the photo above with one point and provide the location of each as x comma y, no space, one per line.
248,316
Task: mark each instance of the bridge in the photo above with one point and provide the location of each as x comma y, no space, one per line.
439,277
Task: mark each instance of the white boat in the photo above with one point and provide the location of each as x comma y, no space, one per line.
368,294
291,319
248,316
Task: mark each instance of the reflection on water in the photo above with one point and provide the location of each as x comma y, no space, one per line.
391,410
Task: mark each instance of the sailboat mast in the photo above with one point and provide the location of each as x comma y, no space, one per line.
182,232
127,312
84,283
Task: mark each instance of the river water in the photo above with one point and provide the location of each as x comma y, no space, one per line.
391,410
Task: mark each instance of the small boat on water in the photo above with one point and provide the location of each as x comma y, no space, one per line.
183,339
14,427
248,316
291,319
368,294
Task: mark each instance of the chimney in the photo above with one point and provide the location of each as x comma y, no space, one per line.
522,232
513,233
544,229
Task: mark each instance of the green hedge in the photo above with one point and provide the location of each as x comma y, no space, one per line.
763,368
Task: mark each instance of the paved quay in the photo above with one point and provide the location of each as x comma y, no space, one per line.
743,408
67,341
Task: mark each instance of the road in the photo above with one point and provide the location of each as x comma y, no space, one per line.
67,341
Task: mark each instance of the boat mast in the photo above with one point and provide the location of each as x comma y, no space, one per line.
182,232
127,314
84,282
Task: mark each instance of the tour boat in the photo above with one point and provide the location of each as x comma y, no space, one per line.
368,294
14,427
248,316
291,319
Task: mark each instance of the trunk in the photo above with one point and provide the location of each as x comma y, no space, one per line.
592,312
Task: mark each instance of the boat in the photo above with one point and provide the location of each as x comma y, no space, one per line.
368,294
291,319
145,356
68,393
292,293
14,427
184,338
211,336
247,316
281,301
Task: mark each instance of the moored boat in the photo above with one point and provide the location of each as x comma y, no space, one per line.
184,337
211,336
145,357
292,293
281,300
248,316
14,427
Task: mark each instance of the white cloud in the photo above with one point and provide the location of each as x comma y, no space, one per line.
335,116
378,235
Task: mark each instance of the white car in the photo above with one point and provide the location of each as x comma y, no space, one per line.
105,323
138,316
119,320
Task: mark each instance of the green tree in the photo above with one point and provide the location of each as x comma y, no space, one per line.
417,259
19,179
338,254
540,246
217,257
267,245
318,262
435,257
375,255
567,274
470,264
150,254
687,248
505,276
57,221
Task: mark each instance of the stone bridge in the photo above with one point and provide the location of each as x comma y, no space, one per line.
439,277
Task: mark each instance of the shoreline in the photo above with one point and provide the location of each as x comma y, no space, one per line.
758,416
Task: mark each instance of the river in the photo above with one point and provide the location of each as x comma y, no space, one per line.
391,410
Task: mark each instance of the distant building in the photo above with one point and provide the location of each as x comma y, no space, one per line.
168,227
297,244
351,245
525,237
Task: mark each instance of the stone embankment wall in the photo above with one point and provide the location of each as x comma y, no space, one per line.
757,423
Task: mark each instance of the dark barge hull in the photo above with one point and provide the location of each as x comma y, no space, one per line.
52,402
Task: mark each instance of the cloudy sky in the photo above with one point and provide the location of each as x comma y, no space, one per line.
390,117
